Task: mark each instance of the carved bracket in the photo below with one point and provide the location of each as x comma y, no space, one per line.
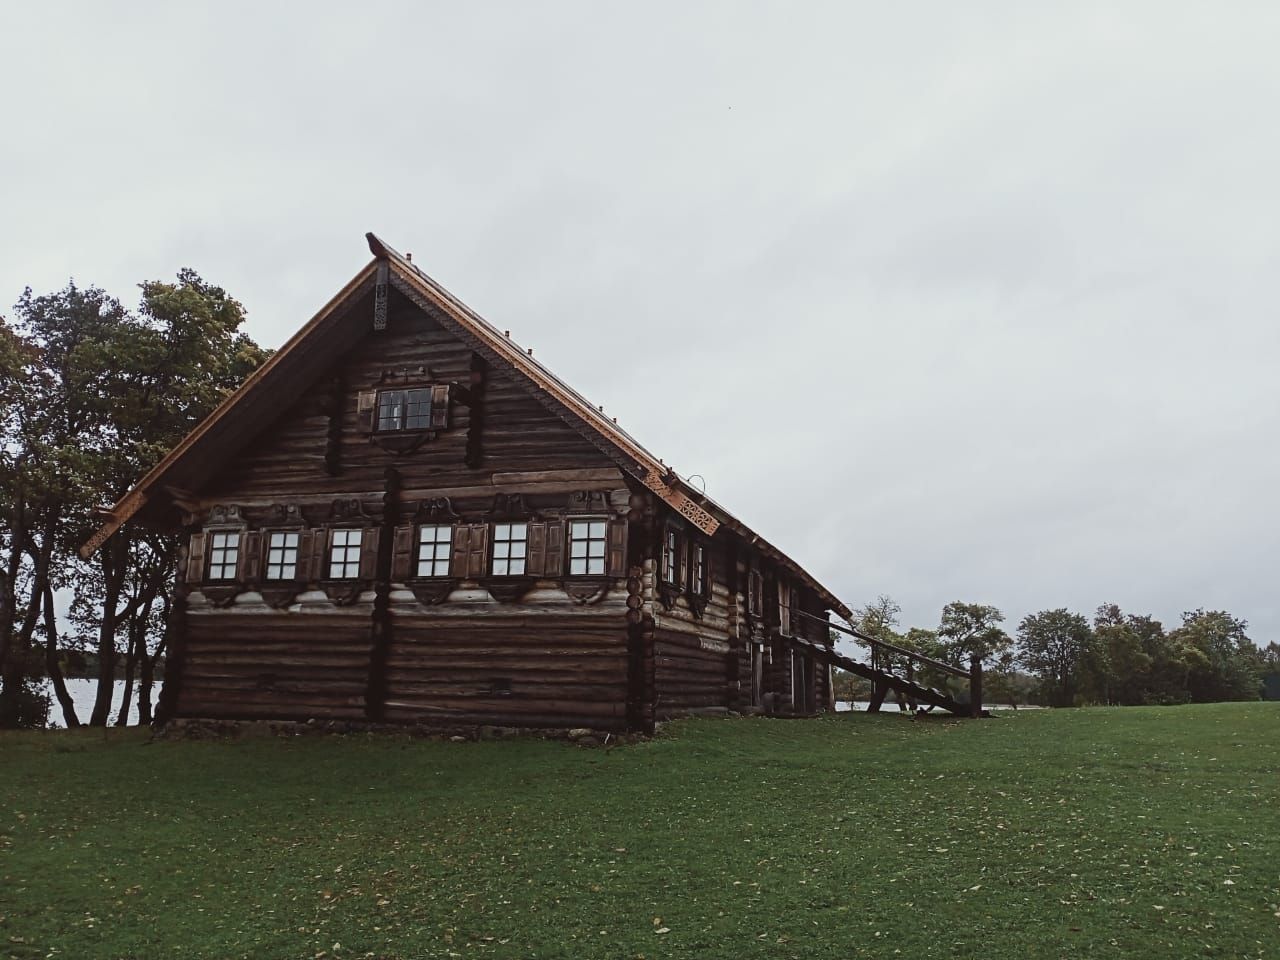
228,514
587,593
437,510
350,509
507,589
433,592
284,514
509,505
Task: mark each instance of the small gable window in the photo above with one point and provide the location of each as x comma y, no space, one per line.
224,555
586,547
510,541
282,555
344,554
386,414
404,409
434,544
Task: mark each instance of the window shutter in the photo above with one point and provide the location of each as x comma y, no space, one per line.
369,553
366,404
302,572
461,550
535,564
478,556
319,554
553,565
402,554
250,567
440,406
195,558
616,548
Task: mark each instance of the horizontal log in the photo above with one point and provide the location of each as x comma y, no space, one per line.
510,706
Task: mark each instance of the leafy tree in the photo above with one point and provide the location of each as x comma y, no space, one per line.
102,394
1224,664
1054,646
972,630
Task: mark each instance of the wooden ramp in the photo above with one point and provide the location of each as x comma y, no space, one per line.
909,692
883,683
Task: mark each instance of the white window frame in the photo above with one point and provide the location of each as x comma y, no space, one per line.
224,555
346,564
510,549
433,554
588,544
281,545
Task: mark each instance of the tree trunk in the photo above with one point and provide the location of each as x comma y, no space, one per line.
130,666
138,623
113,579
13,672
147,667
51,663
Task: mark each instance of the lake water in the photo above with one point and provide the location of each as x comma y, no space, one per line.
82,694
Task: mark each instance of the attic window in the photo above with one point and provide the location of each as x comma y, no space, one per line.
420,411
404,409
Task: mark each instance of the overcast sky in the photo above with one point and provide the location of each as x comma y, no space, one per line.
950,301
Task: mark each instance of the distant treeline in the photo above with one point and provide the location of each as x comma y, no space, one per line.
1059,658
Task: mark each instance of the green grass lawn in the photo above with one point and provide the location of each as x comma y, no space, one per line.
1140,832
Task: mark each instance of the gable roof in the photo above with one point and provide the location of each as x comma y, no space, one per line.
282,378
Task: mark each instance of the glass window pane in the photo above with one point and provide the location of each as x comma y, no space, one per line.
578,549
577,566
597,530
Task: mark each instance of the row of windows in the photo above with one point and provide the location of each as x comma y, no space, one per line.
432,555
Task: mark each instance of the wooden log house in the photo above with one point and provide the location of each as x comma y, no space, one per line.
404,518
